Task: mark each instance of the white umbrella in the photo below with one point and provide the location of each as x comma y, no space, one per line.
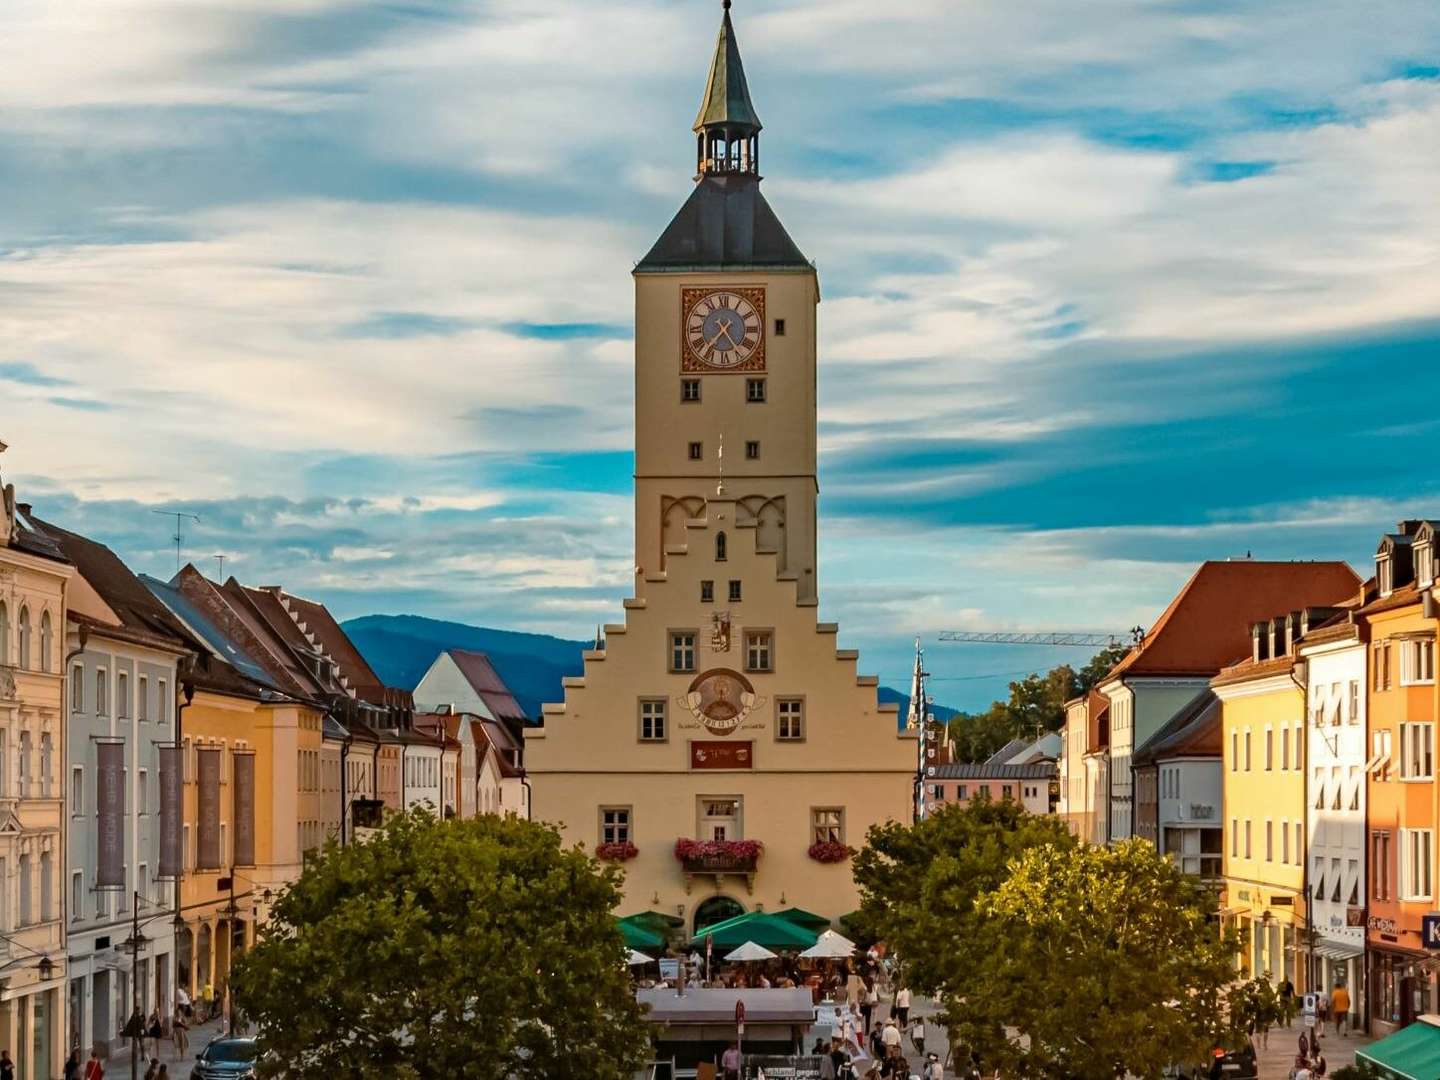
638,958
830,946
751,951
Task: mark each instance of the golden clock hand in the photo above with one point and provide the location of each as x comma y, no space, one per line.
725,329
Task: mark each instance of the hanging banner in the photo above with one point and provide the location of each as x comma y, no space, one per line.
244,810
172,810
207,856
110,811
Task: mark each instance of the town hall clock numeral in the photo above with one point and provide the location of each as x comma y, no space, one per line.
723,329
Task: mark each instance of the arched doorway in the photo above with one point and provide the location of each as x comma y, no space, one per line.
716,909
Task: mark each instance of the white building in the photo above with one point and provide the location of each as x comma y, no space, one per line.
122,692
1183,760
1336,753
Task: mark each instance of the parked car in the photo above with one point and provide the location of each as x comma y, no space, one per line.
1234,1062
226,1059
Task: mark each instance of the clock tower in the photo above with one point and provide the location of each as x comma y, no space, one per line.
725,350
719,743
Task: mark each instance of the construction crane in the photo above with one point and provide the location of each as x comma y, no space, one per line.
1045,637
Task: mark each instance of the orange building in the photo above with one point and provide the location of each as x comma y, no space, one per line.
1400,624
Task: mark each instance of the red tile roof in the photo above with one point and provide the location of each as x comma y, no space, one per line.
486,681
1207,625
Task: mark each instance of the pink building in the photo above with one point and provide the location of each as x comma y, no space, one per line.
1034,786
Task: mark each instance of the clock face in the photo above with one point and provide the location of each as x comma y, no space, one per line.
723,329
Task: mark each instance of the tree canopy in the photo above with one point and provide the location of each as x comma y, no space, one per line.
1036,705
464,948
919,884
1111,965
1054,960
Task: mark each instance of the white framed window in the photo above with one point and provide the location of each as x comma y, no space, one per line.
1416,850
759,650
1269,841
1247,838
652,720
790,719
47,762
47,886
1353,714
142,792
1284,749
102,693
77,896
77,688
1417,751
1417,661
1247,750
827,824
1285,842
27,885
162,702
615,824
682,650
1269,749
142,699
122,696
1299,842
1234,751
77,790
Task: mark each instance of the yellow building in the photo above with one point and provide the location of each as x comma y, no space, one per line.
721,711
1263,728
246,744
34,578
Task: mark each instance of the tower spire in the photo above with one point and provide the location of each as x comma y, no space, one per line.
727,128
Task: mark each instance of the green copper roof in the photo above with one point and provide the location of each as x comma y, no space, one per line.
727,98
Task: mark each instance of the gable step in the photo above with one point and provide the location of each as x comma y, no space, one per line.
888,706
657,579
634,603
784,575
613,628
827,627
677,549
576,682
592,654
867,680
847,654
807,603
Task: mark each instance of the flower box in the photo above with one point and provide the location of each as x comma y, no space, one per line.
617,852
718,856
829,851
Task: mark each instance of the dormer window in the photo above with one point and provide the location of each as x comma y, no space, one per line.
1425,559
1385,574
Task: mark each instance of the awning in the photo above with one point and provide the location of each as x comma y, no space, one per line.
1412,1053
1338,950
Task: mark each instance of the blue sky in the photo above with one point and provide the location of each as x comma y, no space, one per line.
1105,293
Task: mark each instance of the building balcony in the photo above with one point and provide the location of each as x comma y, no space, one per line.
718,859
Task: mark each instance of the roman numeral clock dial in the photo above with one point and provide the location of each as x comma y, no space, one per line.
722,330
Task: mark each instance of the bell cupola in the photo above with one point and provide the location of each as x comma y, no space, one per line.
727,130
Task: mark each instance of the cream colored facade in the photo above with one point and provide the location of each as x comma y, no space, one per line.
721,709
32,929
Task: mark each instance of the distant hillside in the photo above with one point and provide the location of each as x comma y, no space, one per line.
402,647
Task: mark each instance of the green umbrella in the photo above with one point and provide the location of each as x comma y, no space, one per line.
760,927
807,919
638,937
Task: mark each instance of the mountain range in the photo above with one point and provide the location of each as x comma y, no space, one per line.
402,647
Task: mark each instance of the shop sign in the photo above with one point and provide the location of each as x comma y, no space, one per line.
1381,925
722,755
1355,916
783,1068
1243,894
1430,931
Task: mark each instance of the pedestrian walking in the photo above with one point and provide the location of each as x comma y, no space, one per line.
153,1032
7,1067
72,1065
868,1003
180,1032
917,1035
902,1005
933,1069
1318,1067
1287,1001
730,1062
891,1038
1340,1009
93,1069
877,1042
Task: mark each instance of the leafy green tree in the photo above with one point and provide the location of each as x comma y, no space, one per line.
1254,1006
1036,706
919,885
440,949
1111,965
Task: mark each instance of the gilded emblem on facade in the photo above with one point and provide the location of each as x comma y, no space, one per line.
721,699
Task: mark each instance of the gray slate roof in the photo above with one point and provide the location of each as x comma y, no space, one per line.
725,224
1044,770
